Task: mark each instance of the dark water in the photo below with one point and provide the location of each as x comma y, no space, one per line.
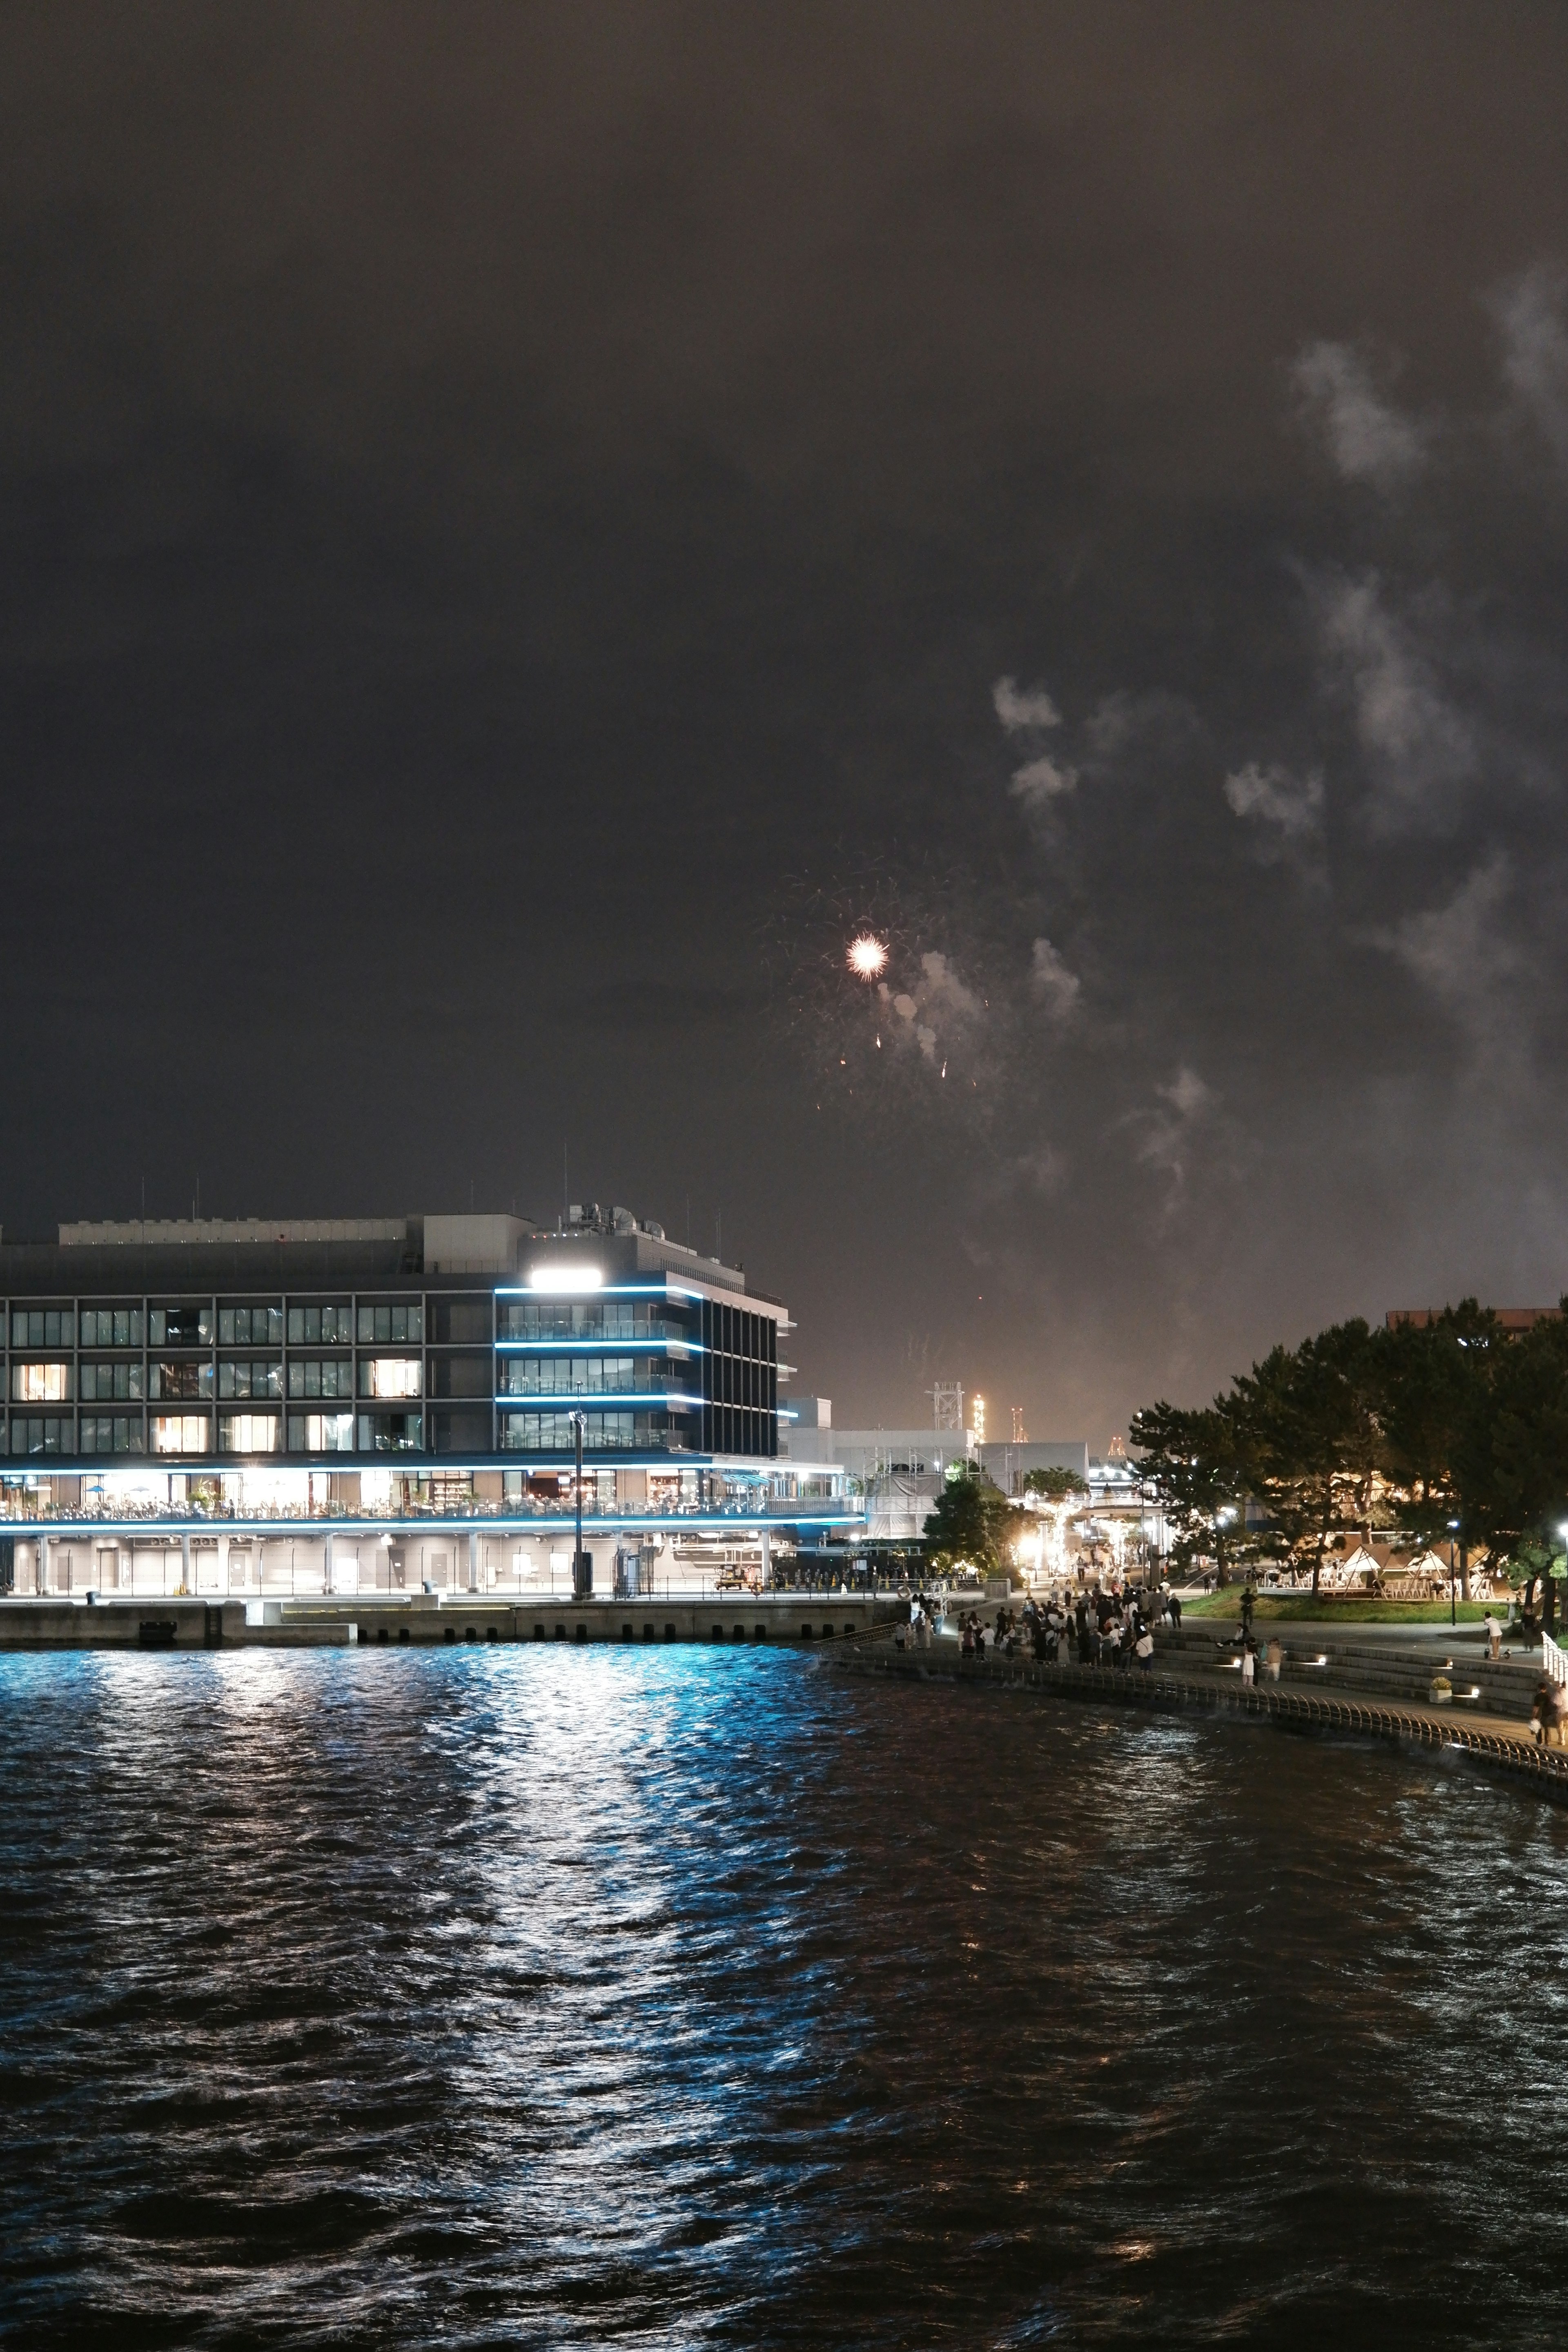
599,1998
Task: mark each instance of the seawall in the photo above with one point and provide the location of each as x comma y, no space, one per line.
61,1624
1499,1744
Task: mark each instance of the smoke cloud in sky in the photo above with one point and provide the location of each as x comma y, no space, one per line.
523,533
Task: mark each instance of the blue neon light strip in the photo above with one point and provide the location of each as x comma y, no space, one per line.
586,1296
664,1522
570,1400
608,1347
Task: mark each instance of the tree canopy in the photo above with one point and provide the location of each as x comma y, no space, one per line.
972,1525
1442,1427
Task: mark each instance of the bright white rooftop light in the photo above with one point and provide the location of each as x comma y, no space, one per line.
561,1278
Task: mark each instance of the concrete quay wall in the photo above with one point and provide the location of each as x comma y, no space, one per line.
1495,1743
369,1619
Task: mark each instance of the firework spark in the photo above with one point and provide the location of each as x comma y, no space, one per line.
866,956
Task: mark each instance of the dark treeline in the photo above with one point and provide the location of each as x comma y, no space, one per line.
1450,1429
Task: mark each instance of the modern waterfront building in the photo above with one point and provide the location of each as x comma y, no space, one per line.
397,1400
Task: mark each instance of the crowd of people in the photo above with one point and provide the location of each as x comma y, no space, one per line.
1102,1625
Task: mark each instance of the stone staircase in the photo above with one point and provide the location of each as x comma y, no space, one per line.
1507,1687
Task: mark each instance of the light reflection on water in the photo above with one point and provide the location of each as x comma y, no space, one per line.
585,1996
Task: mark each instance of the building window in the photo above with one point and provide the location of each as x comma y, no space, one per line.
321,1433
552,1433
188,1380
390,1432
391,1376
334,1377
250,1327
109,1383
112,1326
42,1327
248,1433
182,1326
573,1375
39,1436
252,1380
321,1327
179,1432
397,1327
41,1383
116,1434
606,1318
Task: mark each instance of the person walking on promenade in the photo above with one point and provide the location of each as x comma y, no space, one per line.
1174,1605
1143,1649
1249,1602
1494,1636
1248,1664
1274,1658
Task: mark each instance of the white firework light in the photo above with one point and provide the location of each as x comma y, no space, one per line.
866,956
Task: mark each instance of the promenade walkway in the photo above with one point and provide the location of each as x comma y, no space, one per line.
1500,1742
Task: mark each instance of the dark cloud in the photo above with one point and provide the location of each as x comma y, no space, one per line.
515,523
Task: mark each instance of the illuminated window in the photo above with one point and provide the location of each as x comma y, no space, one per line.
179,1432
188,1380
391,1376
248,1433
315,1378
41,1383
321,1433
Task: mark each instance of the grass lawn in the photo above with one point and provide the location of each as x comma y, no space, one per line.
1329,1608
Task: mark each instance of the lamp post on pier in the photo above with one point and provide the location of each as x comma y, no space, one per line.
582,1566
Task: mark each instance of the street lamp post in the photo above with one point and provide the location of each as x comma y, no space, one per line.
582,1569
1453,1578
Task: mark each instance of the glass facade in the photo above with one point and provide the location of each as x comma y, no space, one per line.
48,1435
250,1327
605,1433
250,1380
181,1433
248,1433
321,1433
111,1434
657,1370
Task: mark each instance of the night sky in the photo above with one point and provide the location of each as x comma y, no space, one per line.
523,531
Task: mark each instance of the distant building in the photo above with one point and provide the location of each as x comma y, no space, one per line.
470,1338
357,1393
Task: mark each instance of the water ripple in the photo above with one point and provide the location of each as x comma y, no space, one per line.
589,1996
